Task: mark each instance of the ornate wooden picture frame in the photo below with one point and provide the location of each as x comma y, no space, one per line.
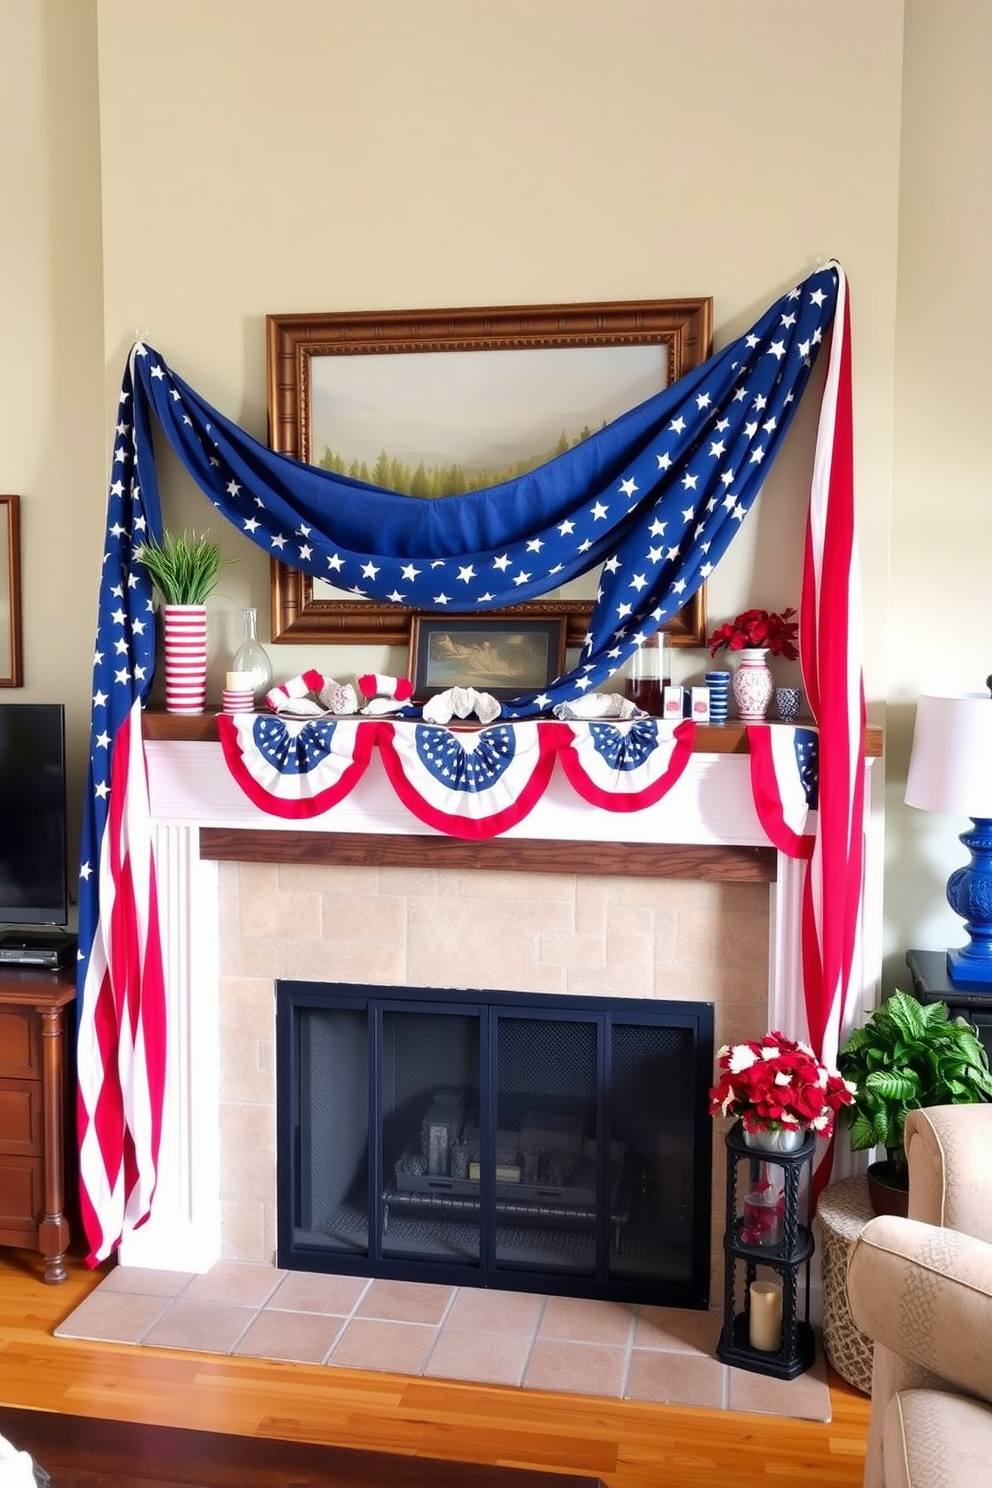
10,592
586,363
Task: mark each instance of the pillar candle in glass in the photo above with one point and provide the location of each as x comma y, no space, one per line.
765,1319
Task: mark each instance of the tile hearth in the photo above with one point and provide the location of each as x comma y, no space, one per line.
516,1339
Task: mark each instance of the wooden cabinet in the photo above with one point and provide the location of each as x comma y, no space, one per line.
36,1115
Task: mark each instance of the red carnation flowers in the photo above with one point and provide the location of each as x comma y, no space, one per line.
778,1082
775,631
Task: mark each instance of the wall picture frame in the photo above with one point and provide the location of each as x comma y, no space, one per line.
374,393
500,654
11,674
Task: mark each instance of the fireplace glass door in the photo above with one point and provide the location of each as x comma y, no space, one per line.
430,1185
498,1139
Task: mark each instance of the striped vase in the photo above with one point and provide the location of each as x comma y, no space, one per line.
184,630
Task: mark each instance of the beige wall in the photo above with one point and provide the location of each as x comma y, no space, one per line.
53,422
254,158
357,155
938,622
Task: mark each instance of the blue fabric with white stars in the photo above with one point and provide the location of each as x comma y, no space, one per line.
653,499
807,747
291,754
625,751
445,757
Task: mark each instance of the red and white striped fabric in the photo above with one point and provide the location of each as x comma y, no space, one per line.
830,641
121,1036
382,685
784,781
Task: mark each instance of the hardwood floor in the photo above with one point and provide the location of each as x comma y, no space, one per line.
627,1445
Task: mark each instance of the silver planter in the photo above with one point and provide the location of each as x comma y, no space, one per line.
782,1139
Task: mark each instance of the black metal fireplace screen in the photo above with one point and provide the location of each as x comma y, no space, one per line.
534,1143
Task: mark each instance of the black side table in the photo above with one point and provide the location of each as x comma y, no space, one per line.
932,983
785,1250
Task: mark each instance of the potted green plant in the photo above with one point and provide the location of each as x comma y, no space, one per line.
184,566
907,1055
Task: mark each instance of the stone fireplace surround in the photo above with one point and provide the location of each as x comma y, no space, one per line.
692,902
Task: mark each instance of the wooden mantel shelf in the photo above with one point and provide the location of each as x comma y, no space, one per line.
717,863
725,738
352,843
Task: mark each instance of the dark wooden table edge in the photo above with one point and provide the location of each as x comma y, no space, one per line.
66,1444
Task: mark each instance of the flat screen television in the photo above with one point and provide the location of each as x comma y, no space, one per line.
33,854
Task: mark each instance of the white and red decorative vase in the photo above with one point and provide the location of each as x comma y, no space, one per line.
184,629
753,685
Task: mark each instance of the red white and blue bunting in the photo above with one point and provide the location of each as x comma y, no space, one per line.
785,772
625,766
473,783
478,782
295,768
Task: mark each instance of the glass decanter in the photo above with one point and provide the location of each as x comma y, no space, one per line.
251,657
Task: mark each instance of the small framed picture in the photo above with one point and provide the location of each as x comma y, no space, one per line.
500,656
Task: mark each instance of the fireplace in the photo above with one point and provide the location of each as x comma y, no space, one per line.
488,1138
686,900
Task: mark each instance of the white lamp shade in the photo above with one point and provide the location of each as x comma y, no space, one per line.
950,767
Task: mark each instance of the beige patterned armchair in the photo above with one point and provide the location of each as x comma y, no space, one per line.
921,1288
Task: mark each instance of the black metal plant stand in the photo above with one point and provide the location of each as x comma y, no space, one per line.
778,1240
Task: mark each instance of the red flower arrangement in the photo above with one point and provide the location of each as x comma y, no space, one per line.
775,632
778,1082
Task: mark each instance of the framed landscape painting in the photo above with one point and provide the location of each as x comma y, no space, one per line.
432,403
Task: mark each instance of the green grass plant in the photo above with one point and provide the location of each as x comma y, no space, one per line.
184,566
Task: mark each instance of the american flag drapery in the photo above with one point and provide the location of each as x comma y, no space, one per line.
655,498
830,640
121,1001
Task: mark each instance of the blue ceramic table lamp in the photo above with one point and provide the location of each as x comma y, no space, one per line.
950,770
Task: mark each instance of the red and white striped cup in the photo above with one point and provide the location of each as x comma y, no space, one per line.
239,695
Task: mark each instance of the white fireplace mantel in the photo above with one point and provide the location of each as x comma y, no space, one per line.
191,788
